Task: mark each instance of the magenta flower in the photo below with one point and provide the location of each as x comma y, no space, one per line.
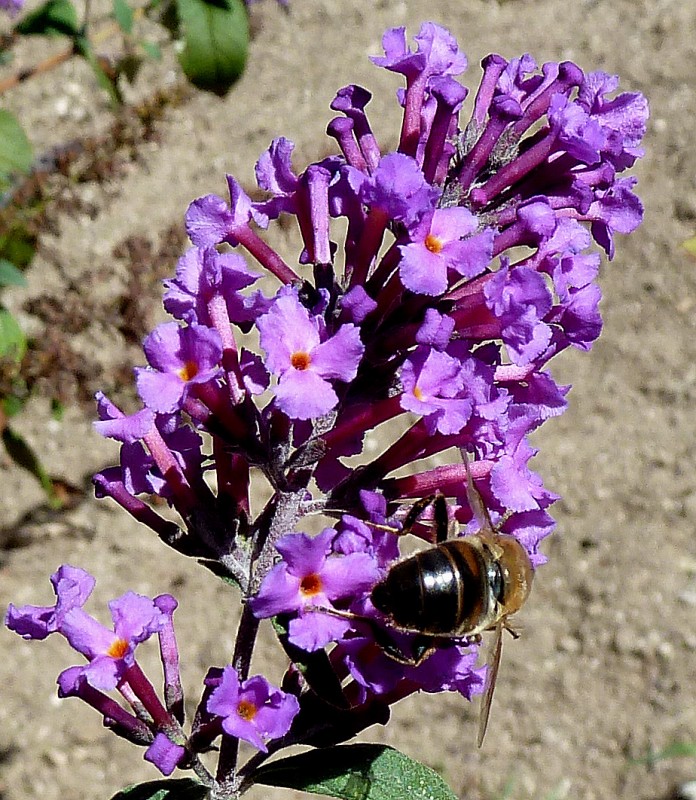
203,275
72,587
113,423
165,754
311,576
433,383
465,267
252,710
398,188
305,358
437,54
452,669
520,299
210,220
111,662
274,174
444,241
109,652
180,359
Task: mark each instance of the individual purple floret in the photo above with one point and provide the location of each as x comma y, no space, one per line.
252,710
403,354
181,359
309,578
434,388
207,290
165,754
304,360
72,587
444,242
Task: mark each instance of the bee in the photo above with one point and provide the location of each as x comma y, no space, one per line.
460,587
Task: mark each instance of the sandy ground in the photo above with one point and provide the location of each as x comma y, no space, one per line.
605,670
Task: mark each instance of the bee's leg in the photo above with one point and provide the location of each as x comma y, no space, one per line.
423,647
416,510
391,648
379,527
441,519
478,507
337,612
511,631
441,524
380,635
376,525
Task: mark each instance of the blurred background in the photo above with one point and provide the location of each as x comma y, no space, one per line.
596,699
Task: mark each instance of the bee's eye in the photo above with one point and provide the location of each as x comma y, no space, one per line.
495,580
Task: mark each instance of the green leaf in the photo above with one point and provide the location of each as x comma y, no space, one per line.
690,246
356,772
178,789
123,14
216,37
57,409
13,343
673,750
84,48
152,50
10,275
18,245
21,452
15,150
11,405
53,18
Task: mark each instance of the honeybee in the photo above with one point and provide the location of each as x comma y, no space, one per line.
461,587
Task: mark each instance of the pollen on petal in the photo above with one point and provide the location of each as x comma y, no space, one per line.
118,648
246,710
311,585
433,243
300,360
188,371
417,392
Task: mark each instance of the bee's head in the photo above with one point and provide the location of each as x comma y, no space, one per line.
517,573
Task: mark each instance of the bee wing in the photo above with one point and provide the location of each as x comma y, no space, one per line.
477,505
493,663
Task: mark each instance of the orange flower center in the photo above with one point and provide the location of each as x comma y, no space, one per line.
433,244
310,585
300,360
417,393
118,649
246,710
188,371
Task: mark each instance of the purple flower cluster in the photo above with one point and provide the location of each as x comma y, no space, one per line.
467,263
